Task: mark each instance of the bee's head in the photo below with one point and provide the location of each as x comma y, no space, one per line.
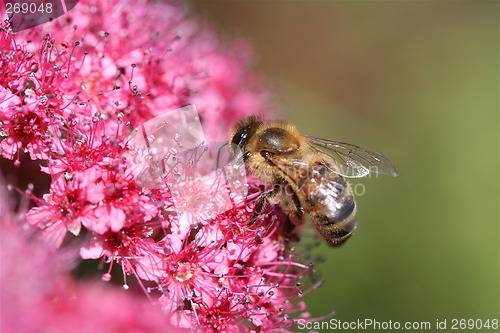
243,131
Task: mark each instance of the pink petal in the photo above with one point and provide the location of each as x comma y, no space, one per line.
92,249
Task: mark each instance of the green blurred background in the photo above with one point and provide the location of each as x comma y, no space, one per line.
418,81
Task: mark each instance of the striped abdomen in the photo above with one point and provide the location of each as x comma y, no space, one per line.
330,202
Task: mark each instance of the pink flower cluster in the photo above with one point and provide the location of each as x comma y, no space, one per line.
72,94
37,293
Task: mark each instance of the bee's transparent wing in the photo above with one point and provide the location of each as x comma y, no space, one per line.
353,161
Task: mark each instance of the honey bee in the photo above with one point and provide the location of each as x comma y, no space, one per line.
310,170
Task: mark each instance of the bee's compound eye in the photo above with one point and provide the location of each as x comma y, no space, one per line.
240,138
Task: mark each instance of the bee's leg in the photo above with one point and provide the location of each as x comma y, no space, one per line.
260,204
297,216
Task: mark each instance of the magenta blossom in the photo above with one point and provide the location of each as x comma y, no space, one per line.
100,100
38,295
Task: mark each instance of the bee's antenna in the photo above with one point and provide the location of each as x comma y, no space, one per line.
218,155
217,170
